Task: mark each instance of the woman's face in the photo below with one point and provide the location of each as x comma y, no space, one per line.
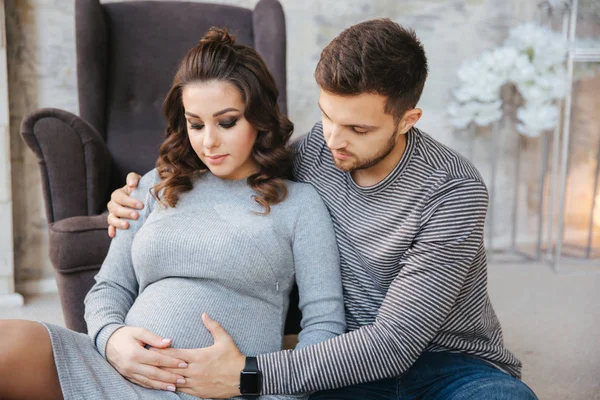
218,131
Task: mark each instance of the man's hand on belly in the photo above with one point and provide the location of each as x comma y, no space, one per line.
214,371
126,351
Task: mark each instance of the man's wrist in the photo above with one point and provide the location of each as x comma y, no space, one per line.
250,379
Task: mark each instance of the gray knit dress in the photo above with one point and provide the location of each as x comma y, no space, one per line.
215,253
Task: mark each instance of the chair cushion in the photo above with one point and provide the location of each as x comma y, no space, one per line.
79,243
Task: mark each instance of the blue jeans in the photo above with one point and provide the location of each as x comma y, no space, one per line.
439,376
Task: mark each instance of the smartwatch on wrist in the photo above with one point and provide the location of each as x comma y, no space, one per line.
250,379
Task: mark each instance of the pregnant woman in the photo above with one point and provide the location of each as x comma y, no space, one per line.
223,233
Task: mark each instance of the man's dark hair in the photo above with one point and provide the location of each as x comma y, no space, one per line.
377,56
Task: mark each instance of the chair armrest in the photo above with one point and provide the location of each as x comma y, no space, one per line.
74,163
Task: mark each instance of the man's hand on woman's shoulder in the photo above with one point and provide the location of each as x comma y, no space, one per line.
122,205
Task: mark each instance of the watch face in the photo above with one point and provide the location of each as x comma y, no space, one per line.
250,382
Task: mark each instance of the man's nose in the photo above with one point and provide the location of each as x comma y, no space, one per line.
335,139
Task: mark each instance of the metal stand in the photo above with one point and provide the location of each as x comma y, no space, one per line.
575,55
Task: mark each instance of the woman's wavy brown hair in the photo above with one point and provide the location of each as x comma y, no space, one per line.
218,58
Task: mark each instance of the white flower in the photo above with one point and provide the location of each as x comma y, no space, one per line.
532,58
488,113
523,70
536,118
482,113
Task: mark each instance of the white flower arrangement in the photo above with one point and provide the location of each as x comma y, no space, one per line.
532,59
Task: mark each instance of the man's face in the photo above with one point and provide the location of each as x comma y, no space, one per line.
357,130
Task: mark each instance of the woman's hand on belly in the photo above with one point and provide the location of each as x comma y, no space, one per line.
126,351
212,372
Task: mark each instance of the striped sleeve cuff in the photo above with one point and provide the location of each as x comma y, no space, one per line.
275,369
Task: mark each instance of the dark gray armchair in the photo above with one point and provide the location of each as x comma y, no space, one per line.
127,54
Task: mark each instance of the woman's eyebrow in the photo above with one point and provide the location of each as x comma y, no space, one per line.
215,114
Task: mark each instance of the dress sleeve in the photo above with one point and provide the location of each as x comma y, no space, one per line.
317,268
116,288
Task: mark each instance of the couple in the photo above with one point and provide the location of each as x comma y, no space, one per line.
222,232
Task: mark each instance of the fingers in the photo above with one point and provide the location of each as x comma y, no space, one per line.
151,383
174,353
122,204
159,375
216,330
151,339
133,179
114,222
157,359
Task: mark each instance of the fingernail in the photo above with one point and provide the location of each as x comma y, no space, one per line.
181,381
132,215
171,388
139,205
182,365
124,225
166,340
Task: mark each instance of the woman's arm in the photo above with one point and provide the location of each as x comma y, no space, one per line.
317,266
116,288
109,301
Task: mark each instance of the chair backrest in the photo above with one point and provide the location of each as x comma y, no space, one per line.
127,54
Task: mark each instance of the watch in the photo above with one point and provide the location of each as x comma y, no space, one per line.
250,379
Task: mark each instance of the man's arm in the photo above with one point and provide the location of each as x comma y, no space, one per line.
417,303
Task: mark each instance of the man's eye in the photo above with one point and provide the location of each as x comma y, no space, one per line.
359,131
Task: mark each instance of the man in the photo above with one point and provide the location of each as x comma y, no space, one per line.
409,217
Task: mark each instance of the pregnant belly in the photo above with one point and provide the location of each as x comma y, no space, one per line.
172,308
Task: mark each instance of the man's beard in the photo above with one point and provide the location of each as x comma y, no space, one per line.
372,161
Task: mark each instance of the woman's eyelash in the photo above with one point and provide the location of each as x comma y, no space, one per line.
229,124
226,125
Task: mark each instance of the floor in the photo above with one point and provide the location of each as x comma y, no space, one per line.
551,322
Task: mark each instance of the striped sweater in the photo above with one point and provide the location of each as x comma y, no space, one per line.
413,266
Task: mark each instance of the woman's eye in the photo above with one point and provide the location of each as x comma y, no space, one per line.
196,127
228,124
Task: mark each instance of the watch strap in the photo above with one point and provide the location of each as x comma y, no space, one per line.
251,365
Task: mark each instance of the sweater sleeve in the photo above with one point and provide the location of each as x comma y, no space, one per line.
416,304
317,267
116,287
307,149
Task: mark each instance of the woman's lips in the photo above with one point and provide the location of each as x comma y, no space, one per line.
216,160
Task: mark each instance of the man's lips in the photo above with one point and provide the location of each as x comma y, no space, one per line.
339,155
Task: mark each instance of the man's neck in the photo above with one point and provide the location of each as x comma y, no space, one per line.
378,172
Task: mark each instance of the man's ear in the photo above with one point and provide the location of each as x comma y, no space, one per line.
410,118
